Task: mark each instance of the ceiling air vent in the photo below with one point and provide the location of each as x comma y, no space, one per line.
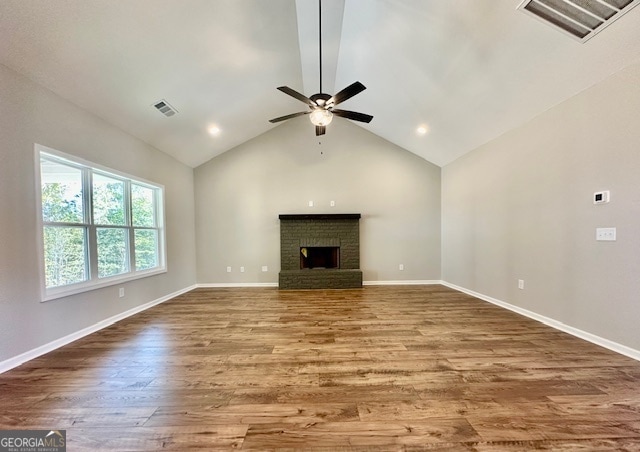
581,19
164,108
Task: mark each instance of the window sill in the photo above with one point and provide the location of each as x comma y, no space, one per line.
74,289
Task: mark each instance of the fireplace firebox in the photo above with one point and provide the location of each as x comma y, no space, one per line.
319,257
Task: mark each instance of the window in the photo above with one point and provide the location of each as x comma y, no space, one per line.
99,226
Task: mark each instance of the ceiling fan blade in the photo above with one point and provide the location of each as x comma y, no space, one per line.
347,93
320,130
353,115
297,95
292,115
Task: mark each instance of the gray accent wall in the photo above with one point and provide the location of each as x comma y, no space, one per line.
31,114
240,194
521,207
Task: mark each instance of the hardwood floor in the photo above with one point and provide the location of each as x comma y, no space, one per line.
379,368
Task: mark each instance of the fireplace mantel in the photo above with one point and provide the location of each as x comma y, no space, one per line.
320,216
301,233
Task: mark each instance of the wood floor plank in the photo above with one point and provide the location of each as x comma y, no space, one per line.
330,394
137,399
344,434
571,445
379,368
505,391
64,418
427,409
548,427
139,439
255,414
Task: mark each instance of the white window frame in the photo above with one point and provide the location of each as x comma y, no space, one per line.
94,282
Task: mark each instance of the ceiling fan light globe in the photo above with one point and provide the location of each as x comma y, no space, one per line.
321,117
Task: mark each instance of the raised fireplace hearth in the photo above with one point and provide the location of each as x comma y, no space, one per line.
320,251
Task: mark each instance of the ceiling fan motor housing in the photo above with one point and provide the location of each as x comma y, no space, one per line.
321,99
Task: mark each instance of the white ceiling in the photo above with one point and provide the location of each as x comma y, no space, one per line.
468,69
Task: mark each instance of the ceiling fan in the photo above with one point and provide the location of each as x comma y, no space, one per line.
321,105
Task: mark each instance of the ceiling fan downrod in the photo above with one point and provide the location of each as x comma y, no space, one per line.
320,39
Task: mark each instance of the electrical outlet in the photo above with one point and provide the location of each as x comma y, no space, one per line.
310,203
121,292
241,269
521,284
228,269
332,204
606,234
265,268
401,267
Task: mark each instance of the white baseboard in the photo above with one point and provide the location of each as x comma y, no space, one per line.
222,285
423,282
11,363
606,343
364,283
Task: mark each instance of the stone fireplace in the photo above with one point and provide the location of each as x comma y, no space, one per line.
320,251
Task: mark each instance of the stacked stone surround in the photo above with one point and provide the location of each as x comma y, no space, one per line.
307,230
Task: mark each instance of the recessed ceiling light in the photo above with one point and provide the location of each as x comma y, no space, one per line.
214,130
422,130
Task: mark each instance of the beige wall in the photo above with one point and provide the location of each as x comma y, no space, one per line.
521,207
31,114
239,195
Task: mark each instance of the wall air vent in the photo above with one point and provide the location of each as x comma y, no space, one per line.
581,19
163,107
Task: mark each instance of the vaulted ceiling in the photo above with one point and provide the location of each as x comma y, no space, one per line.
467,70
